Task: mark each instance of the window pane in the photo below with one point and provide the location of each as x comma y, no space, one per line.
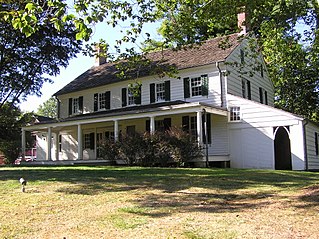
102,101
196,86
160,92
130,97
234,114
75,105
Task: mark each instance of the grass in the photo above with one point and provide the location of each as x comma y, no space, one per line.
124,202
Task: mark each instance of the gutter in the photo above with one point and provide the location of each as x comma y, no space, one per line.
304,124
221,84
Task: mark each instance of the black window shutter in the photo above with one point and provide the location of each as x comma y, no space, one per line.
108,100
261,95
152,92
70,106
124,97
148,126
167,90
204,84
96,101
185,123
316,143
186,88
249,90
266,98
138,98
81,104
92,141
167,123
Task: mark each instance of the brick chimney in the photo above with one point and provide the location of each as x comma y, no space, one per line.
100,57
243,22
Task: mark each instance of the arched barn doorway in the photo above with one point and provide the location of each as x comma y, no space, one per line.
282,149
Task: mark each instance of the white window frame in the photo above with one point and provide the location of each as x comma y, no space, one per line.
87,141
130,97
235,114
196,86
160,92
75,106
101,101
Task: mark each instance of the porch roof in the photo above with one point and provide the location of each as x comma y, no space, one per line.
141,111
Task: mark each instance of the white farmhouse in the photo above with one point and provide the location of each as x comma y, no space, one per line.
244,129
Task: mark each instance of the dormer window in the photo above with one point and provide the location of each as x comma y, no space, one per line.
160,92
196,86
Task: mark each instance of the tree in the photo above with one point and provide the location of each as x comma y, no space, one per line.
48,108
25,59
11,121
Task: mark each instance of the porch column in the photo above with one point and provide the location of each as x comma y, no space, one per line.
152,124
49,144
199,127
23,143
57,143
80,150
116,130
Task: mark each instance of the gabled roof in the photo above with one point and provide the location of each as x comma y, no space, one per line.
210,51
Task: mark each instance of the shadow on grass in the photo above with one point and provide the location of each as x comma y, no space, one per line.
173,183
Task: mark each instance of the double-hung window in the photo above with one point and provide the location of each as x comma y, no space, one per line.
263,98
131,96
76,105
246,90
160,92
102,101
196,86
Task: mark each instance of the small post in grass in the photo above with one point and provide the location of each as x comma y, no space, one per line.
23,183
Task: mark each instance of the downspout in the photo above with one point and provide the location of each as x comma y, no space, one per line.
222,93
304,124
58,107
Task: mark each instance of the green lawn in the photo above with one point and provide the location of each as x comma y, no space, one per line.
124,202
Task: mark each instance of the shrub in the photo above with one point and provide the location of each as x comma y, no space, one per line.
171,148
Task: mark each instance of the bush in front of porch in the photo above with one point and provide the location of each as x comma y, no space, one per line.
161,149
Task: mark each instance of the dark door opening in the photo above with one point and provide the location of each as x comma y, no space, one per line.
282,149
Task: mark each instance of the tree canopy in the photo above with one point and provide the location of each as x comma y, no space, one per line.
48,108
291,55
26,60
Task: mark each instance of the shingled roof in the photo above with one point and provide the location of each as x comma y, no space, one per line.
210,51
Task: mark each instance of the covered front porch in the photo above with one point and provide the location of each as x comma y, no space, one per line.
77,138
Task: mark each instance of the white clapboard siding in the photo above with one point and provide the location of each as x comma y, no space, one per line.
234,76
176,88
313,159
219,145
